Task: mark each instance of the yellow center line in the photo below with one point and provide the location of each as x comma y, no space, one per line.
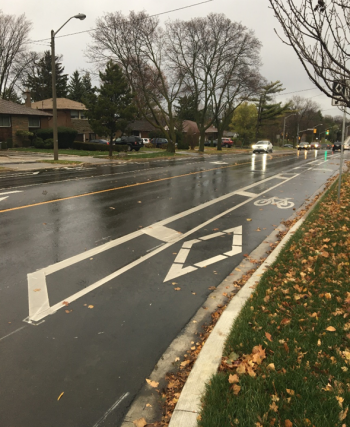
120,188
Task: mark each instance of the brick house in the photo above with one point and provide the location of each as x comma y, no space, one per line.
69,114
15,117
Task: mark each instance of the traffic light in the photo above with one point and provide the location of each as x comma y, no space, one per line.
327,132
315,130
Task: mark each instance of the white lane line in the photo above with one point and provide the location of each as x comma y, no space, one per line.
37,293
211,236
161,233
245,193
210,261
10,192
70,261
17,330
111,409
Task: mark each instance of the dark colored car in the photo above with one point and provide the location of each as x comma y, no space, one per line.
159,142
288,146
336,146
99,141
303,146
133,142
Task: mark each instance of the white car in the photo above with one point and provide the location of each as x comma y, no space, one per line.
262,147
146,141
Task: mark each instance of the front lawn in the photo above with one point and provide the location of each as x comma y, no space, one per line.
286,361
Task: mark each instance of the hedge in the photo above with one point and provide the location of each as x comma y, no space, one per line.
66,136
89,146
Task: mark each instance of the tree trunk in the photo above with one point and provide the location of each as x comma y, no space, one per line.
220,132
171,142
202,139
110,145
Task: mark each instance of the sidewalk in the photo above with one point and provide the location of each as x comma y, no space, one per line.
280,353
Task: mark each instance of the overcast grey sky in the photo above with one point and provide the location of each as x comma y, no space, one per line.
279,61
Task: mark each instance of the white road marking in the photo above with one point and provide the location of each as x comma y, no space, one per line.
161,233
245,193
111,409
8,335
70,261
219,163
8,192
177,269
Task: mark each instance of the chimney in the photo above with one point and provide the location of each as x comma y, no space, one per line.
28,100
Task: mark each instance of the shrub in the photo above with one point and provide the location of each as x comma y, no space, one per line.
183,145
38,143
88,146
48,143
66,136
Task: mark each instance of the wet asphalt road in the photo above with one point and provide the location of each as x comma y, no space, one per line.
102,248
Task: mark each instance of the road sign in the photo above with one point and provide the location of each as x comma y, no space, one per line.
341,92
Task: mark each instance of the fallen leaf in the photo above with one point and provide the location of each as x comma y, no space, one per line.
285,321
236,389
37,290
288,423
59,397
111,207
177,289
185,363
325,254
232,379
274,407
65,303
139,201
177,359
291,392
148,405
141,422
249,219
90,306
153,384
193,293
174,283
268,336
330,329
271,367
343,414
340,400
328,295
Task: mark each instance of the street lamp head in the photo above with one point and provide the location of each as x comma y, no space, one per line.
80,16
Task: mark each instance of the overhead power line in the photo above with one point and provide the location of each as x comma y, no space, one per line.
149,16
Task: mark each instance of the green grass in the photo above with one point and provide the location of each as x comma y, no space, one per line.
301,294
60,162
61,151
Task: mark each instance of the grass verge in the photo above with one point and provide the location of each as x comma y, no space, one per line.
60,152
147,155
60,162
287,357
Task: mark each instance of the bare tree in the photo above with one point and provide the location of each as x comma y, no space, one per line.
219,60
139,46
319,34
14,55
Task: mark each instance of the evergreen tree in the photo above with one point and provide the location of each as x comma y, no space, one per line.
80,87
39,80
76,87
267,109
112,108
187,108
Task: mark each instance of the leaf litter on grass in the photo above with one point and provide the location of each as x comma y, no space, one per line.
299,316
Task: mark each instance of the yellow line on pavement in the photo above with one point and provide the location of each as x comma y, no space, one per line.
119,188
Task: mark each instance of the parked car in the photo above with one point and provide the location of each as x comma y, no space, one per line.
262,147
337,146
315,145
159,142
133,142
99,141
226,142
303,146
347,145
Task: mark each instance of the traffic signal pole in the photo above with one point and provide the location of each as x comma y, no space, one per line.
341,155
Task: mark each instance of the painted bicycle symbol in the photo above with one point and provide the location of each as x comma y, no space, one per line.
280,203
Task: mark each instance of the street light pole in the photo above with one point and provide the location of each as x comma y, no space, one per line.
284,127
80,16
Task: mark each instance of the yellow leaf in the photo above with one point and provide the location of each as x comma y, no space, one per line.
148,405
153,384
330,329
268,336
271,367
291,392
328,295
343,414
177,289
59,397
340,400
241,369
232,379
288,423
90,306
236,389
325,254
274,407
141,422
249,219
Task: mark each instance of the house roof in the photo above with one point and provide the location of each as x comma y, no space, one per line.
9,107
211,129
141,125
62,104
